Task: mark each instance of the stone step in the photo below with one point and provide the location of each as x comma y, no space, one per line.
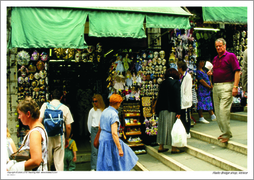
147,162
240,116
182,161
237,147
239,130
219,156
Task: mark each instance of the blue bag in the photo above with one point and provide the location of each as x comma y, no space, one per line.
53,120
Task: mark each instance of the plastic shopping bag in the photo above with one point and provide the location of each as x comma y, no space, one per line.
179,135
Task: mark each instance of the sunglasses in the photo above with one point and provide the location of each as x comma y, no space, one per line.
95,101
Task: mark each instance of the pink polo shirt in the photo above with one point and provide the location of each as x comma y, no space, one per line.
224,68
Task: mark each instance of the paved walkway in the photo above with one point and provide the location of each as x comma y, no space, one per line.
239,129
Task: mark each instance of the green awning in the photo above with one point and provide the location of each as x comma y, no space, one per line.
165,21
116,24
47,27
63,27
176,10
227,15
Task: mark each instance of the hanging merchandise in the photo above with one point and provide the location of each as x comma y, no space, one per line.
23,58
32,76
240,41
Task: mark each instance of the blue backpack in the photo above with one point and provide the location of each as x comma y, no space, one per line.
53,120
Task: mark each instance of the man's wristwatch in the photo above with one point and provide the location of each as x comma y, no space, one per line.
236,87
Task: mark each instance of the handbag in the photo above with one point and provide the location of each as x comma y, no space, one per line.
24,155
178,134
96,139
21,155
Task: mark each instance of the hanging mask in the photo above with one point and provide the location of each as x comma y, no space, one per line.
27,79
20,80
90,49
162,54
154,61
98,47
41,81
77,56
35,56
43,74
23,58
40,65
99,58
31,68
23,71
31,76
44,56
155,55
243,34
37,75
150,54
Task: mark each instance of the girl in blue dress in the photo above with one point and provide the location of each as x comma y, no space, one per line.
204,92
113,153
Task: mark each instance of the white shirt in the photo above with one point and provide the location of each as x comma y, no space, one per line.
186,92
93,118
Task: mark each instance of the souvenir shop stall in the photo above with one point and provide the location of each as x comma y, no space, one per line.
48,59
136,74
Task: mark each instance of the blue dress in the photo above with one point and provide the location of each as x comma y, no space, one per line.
108,158
204,94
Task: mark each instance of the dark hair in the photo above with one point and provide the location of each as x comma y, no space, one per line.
28,104
172,72
199,59
56,94
182,64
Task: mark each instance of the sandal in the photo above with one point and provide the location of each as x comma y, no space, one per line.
163,150
224,140
220,137
175,151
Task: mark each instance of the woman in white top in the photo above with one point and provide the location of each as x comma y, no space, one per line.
93,125
11,148
186,95
35,140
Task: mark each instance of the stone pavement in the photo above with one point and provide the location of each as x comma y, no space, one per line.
239,130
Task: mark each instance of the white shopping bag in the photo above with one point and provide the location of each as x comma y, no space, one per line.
178,133
209,65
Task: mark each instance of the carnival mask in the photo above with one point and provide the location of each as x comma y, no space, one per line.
35,56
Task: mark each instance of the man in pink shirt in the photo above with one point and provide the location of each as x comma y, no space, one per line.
226,76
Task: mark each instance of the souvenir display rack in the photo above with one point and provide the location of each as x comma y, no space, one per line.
136,75
32,75
240,41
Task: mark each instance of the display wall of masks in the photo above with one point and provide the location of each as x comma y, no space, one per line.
32,75
240,42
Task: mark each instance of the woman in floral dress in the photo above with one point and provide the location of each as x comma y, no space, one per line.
204,92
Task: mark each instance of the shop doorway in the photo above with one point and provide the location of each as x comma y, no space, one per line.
79,81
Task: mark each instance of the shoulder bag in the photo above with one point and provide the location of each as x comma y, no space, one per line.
96,139
23,155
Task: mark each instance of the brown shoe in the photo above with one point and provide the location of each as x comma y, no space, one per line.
224,140
220,137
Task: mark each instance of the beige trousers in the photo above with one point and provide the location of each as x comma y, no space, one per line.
56,151
222,97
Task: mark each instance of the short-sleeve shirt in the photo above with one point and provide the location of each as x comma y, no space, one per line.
67,116
224,68
108,117
73,145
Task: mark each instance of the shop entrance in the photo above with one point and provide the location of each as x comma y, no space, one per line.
79,81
